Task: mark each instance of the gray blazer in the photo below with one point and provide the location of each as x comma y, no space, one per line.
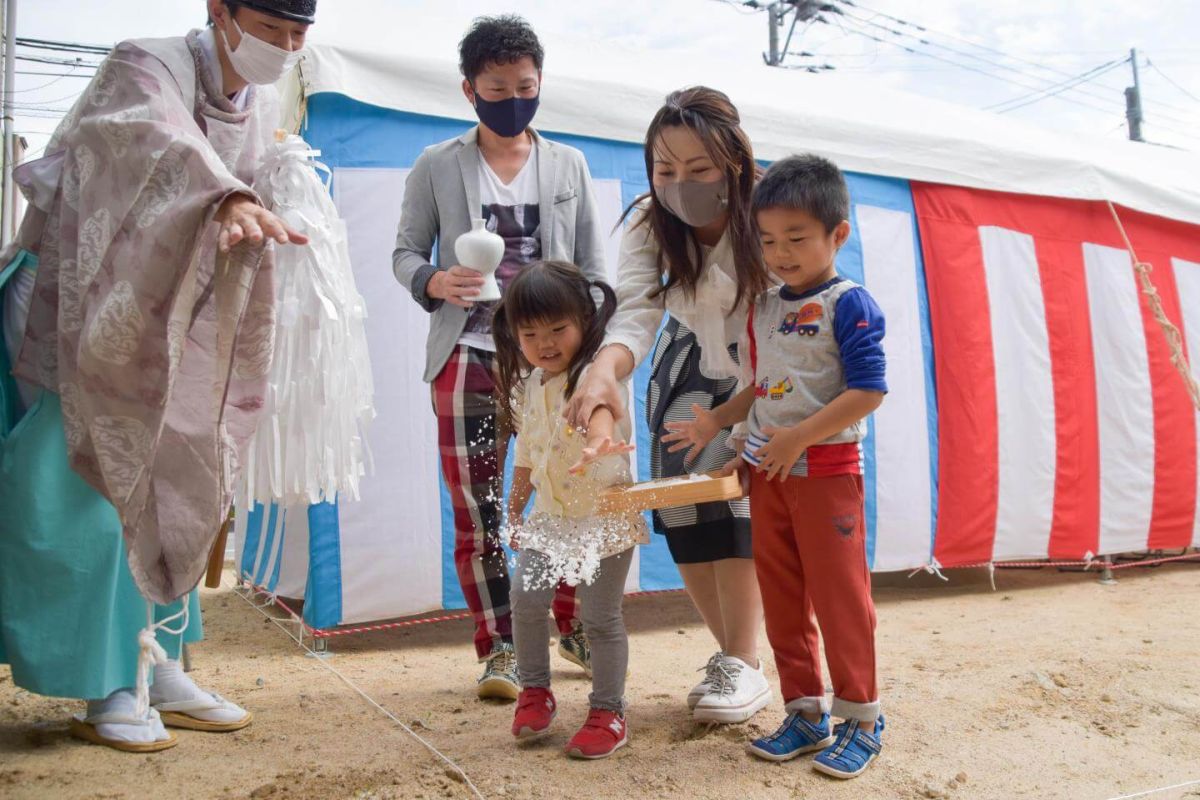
441,196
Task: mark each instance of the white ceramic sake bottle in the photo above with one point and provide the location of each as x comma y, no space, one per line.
481,250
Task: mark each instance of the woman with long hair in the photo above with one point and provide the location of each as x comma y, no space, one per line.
690,252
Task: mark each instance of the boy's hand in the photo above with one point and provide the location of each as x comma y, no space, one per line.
597,449
779,455
693,434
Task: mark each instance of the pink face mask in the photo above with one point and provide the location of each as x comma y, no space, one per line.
695,203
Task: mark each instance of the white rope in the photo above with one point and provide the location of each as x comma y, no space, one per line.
932,568
324,663
1156,791
1170,331
151,653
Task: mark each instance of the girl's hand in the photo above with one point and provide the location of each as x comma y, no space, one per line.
514,532
597,387
597,449
693,434
780,454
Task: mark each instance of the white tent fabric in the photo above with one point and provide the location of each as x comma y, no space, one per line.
391,554
863,126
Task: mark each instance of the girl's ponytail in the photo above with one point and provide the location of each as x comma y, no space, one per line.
545,291
594,327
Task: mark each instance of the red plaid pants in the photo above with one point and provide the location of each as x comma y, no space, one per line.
472,457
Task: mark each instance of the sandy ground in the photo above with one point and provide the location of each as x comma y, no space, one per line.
1054,686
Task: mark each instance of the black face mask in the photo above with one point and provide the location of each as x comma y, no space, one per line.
507,118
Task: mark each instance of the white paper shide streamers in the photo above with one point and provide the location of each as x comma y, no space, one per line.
311,445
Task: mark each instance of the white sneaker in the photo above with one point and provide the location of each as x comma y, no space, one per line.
739,692
710,676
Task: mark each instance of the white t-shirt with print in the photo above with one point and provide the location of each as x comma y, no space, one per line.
512,211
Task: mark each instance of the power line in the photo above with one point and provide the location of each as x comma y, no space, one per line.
1024,73
969,67
742,6
58,77
60,62
69,97
68,47
919,45
53,74
1154,67
917,51
1059,88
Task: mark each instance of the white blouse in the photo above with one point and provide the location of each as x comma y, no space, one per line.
564,514
708,314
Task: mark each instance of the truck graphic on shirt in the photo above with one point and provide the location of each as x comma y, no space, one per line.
765,389
804,321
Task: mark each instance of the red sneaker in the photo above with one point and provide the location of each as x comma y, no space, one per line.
535,711
603,734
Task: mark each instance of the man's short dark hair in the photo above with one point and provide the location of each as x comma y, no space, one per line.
807,183
505,39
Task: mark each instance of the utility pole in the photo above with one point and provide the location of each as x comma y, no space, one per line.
1133,101
775,14
8,215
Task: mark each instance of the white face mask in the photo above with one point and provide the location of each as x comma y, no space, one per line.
258,61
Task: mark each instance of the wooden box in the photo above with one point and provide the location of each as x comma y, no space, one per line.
667,492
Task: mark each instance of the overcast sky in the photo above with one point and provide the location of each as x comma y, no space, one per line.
998,53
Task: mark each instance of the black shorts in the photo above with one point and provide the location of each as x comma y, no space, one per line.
709,531
699,544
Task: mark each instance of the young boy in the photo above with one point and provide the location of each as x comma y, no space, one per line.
816,351
537,195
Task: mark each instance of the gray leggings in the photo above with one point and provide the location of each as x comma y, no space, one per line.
600,612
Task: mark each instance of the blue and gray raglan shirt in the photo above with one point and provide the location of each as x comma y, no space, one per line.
806,349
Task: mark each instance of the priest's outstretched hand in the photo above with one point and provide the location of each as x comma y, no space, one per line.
242,219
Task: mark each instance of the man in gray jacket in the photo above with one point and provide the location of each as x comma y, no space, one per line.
537,195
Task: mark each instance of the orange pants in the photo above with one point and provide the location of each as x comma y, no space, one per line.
810,554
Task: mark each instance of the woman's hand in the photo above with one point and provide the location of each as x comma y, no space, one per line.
243,220
693,434
457,286
597,449
597,387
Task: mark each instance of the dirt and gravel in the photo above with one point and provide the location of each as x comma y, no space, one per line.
1052,686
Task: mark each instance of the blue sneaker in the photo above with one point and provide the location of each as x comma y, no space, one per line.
853,751
795,736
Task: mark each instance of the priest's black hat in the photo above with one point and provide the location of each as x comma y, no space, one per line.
295,10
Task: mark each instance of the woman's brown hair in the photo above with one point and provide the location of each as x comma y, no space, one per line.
544,292
710,115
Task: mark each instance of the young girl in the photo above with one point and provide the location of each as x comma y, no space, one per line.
547,329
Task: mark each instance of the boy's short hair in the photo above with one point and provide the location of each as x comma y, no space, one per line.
504,39
807,183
